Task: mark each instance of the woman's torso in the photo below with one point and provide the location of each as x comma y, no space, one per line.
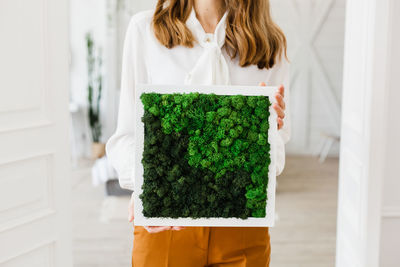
170,66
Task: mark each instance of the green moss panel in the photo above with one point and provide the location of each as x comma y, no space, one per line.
205,155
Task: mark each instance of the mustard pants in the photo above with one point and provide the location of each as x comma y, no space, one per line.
202,246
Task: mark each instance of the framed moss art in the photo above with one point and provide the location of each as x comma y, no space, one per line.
205,155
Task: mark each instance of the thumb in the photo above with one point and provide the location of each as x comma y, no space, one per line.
131,209
130,216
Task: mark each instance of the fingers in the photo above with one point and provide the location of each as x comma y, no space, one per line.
280,104
177,228
281,90
131,213
280,94
280,101
158,229
279,111
280,123
130,216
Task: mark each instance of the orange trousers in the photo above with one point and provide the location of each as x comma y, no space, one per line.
201,247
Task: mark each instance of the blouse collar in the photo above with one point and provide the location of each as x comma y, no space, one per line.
201,36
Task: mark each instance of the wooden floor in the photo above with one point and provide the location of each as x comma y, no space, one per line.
304,235
102,236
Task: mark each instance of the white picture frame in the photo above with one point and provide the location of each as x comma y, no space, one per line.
140,220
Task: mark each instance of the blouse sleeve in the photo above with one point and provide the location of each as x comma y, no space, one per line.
120,147
281,76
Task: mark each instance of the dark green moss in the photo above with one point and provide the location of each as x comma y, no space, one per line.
205,155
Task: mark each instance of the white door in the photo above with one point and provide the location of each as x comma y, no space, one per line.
364,113
34,135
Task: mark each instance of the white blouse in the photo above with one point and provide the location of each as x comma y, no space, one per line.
145,60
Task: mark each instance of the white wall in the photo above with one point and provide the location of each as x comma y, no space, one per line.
315,33
85,16
107,19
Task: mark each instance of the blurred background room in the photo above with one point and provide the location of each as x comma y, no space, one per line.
307,190
338,201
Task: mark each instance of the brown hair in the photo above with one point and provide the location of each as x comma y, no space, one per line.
250,32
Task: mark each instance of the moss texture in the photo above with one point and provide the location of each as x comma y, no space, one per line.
205,155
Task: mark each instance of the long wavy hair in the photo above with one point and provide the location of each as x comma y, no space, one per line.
251,33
